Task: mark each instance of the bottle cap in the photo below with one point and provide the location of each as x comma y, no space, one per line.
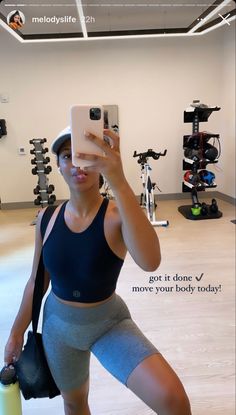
8,375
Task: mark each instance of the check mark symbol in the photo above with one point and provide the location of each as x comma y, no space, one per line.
199,278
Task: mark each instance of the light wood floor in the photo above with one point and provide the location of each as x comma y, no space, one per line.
195,332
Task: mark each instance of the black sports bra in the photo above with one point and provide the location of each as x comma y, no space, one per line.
82,266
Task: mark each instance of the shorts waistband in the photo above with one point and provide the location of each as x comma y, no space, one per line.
82,315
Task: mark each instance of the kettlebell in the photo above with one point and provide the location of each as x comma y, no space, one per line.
10,398
214,207
204,210
196,209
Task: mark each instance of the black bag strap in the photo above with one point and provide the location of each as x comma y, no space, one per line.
39,280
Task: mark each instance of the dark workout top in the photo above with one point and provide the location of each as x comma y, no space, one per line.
81,265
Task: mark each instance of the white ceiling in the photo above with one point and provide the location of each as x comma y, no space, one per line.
114,17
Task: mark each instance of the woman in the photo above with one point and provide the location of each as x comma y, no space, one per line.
15,21
84,248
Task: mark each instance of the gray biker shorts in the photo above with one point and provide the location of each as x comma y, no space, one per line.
107,330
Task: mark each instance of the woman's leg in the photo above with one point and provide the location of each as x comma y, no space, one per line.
76,400
156,384
129,356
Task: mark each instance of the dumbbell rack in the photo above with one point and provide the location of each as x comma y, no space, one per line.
43,189
199,114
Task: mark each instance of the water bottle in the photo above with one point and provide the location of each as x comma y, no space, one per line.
10,398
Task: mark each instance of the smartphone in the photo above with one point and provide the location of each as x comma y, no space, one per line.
84,118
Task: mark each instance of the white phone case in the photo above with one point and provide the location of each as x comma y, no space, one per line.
80,122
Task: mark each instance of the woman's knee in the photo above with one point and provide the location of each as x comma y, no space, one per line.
173,400
76,401
155,382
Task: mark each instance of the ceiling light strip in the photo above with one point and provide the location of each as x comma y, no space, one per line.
81,18
219,21
204,14
81,39
73,39
210,15
216,26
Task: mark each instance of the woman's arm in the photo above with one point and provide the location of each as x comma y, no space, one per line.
139,236
24,316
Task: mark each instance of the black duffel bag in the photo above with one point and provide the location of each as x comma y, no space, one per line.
33,373
32,370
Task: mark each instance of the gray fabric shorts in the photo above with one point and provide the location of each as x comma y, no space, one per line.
107,330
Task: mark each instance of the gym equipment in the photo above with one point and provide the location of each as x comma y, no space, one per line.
214,207
196,210
192,154
147,198
210,152
43,189
207,177
192,177
10,398
204,209
105,189
198,153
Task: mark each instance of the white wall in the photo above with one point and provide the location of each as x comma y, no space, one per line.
226,176
152,81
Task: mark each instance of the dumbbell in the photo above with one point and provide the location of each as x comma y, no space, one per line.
51,188
36,190
45,170
38,140
37,201
51,199
42,151
43,161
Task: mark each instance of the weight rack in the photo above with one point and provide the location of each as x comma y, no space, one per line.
199,114
43,189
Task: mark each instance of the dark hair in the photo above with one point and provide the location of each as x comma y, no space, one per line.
11,20
101,180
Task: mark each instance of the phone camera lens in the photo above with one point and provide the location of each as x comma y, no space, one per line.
95,114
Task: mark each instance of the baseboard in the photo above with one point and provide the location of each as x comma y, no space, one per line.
22,205
226,198
17,205
202,195
168,196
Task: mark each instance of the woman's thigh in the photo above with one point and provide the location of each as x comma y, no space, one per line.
131,358
156,384
68,364
121,349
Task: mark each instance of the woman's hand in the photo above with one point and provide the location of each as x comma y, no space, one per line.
109,164
13,348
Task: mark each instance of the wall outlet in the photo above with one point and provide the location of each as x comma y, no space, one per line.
21,151
4,99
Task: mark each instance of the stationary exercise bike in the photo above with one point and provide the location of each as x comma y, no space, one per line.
104,188
147,198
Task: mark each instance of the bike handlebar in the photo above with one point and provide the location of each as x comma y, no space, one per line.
149,153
